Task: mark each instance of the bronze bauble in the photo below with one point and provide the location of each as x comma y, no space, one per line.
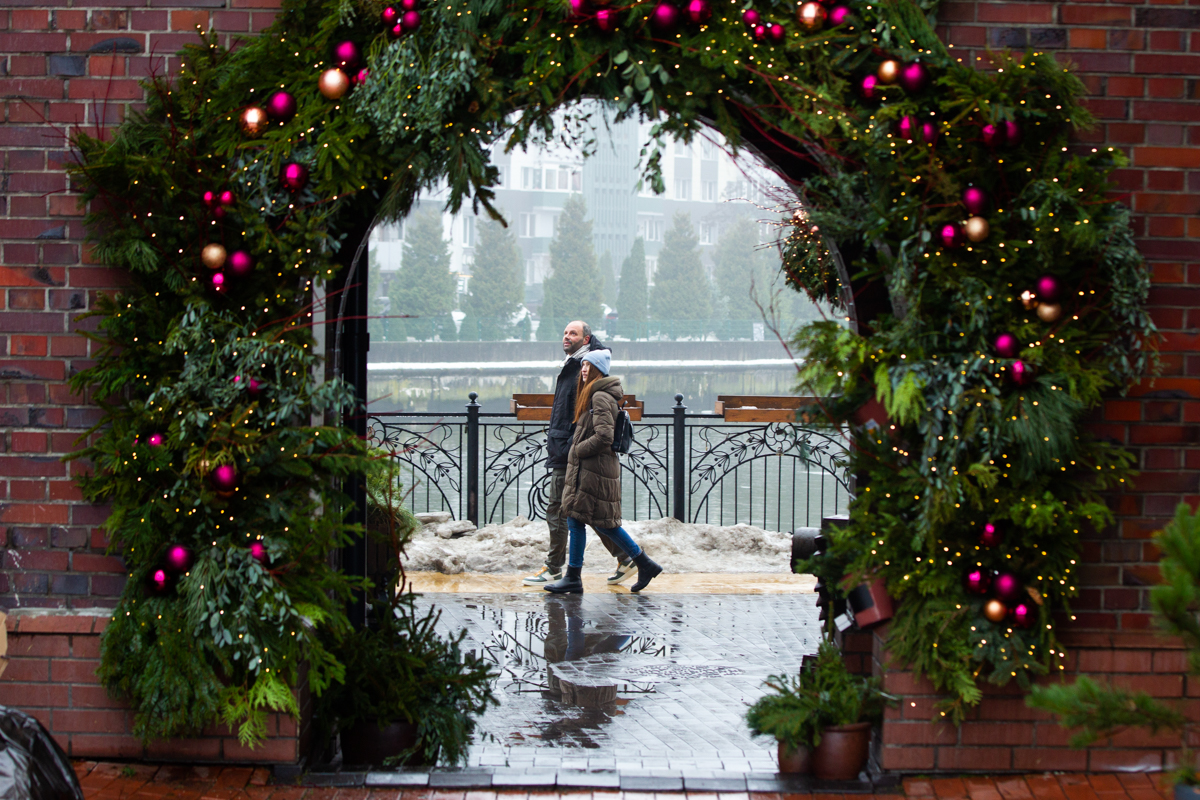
976,229
333,84
811,16
889,71
1029,300
995,611
213,256
1049,312
254,121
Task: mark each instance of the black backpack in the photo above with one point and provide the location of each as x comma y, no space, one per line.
622,432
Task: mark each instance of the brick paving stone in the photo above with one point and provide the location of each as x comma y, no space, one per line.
984,789
916,787
949,788
1080,791
1014,789
1045,787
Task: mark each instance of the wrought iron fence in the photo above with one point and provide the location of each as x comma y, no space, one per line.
490,468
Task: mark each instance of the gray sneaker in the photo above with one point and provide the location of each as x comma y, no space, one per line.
544,576
624,572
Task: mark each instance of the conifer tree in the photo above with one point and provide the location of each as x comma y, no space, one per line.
496,288
741,271
574,286
423,286
633,304
610,279
681,288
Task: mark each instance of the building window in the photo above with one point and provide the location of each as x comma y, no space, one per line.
531,178
468,231
683,189
708,150
651,268
708,191
650,229
527,226
576,181
708,233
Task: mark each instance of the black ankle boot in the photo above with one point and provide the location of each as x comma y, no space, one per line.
570,583
647,571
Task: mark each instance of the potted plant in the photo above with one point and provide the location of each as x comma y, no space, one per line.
1099,711
821,718
409,694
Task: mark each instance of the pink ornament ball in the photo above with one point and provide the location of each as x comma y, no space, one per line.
361,77
219,212
1012,133
578,7
408,5
951,235
1006,345
992,135
776,32
606,20
914,77
760,32
751,17
907,127
258,551
664,18
1021,373
1022,615
699,11
929,132
869,87
347,55
159,580
389,16
218,281
977,581
839,15
155,440
975,200
226,198
397,30
224,478
411,21
1048,288
294,176
240,263
1007,587
210,199
991,536
281,106
179,558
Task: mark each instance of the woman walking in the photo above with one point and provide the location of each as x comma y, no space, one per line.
592,494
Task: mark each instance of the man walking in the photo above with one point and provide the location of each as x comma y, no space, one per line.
577,341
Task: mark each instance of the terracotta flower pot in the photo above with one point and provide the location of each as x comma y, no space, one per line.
842,753
367,743
794,760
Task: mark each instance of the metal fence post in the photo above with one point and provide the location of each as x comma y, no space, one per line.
473,459
678,462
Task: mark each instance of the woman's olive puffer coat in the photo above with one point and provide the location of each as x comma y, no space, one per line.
592,492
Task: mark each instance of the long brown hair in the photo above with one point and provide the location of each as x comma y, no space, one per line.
584,390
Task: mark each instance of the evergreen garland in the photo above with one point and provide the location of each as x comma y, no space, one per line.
965,444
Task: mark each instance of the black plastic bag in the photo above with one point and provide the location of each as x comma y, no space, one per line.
32,765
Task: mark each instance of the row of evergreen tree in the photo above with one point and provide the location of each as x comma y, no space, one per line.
423,291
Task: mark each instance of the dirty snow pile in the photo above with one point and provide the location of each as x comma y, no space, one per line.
451,547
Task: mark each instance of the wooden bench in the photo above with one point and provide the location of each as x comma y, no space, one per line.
536,407
750,408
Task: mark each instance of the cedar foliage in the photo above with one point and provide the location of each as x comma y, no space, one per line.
575,285
633,306
496,286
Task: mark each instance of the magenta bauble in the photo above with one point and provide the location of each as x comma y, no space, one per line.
868,87
929,132
218,281
155,440
975,200
977,581
606,20
281,106
1006,345
219,212
699,11
226,198
839,15
294,176
389,16
760,32
159,580
992,135
913,77
1021,373
258,551
347,55
1007,587
179,558
578,7
951,235
240,263
397,30
361,76
223,478
210,199
408,5
411,21
1012,133
907,127
990,536
1022,615
751,17
664,18
776,33
1048,288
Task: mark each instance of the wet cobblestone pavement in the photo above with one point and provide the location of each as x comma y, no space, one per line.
650,685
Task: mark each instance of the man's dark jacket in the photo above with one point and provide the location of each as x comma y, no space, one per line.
558,438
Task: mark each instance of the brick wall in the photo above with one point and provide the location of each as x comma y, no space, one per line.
76,65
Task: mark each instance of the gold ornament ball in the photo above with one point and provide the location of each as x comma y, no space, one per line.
254,121
889,71
1029,300
333,84
1049,312
811,16
977,229
213,256
995,611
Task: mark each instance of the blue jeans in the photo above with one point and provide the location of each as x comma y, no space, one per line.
578,533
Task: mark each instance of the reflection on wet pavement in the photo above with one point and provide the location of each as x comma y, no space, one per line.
680,583
645,682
